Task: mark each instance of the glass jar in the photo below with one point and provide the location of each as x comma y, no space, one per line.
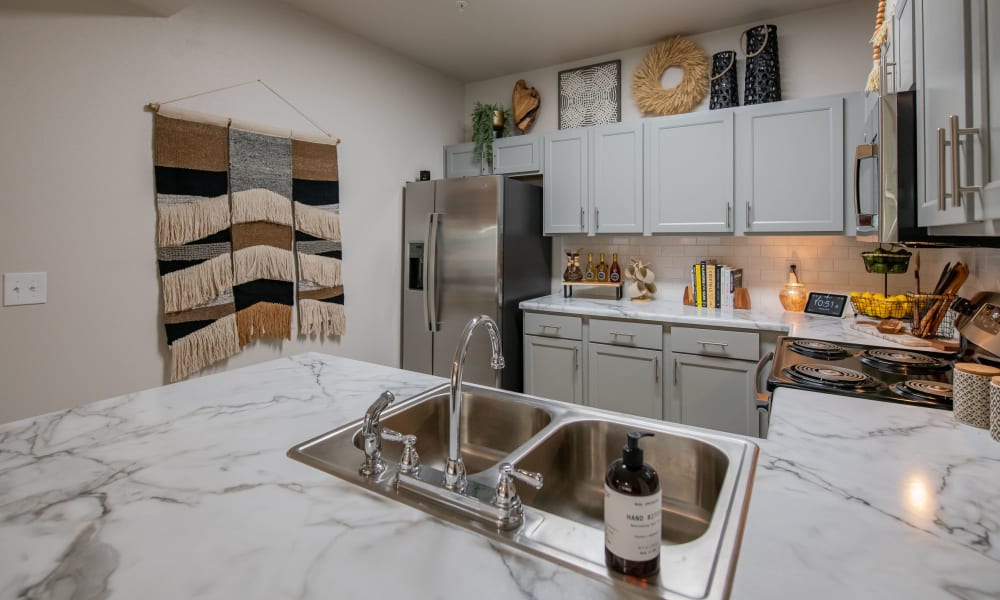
793,297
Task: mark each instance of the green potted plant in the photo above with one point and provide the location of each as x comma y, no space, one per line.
487,119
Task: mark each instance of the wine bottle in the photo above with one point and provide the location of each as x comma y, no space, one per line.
616,271
602,270
588,273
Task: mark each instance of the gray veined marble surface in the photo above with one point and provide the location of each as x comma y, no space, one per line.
185,492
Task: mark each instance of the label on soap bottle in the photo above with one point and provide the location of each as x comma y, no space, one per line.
632,524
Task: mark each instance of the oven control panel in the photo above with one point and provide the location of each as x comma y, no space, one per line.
987,318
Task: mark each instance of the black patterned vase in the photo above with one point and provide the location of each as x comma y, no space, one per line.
763,72
725,91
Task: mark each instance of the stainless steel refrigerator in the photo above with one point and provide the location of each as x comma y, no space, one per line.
471,246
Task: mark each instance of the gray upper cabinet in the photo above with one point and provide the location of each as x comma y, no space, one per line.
991,189
616,166
689,173
944,90
903,69
566,190
625,380
460,161
790,166
517,155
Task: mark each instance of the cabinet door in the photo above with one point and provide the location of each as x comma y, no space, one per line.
943,91
991,172
521,154
552,368
689,173
790,166
566,192
461,161
716,393
616,158
903,44
625,380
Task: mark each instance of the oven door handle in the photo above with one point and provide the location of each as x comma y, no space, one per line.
762,400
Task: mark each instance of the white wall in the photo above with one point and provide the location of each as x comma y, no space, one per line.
77,198
822,51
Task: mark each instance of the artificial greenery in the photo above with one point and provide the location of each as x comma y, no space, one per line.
482,128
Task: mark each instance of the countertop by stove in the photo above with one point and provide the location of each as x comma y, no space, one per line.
831,329
185,491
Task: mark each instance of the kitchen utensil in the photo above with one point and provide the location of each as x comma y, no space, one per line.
971,394
941,279
932,316
916,270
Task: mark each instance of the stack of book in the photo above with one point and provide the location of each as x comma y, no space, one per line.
713,285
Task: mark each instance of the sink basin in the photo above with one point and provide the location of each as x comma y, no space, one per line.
491,428
705,478
575,459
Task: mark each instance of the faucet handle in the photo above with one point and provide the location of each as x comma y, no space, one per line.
506,493
409,460
532,478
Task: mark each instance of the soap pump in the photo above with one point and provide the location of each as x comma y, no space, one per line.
632,504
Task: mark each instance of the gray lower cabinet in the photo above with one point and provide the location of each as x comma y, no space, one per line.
625,379
552,368
713,392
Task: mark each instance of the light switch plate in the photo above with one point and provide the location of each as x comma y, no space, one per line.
24,288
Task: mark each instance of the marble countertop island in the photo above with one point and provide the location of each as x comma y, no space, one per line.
185,491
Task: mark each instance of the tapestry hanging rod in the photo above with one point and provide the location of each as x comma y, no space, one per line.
169,111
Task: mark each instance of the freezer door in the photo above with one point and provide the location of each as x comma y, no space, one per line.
416,343
467,271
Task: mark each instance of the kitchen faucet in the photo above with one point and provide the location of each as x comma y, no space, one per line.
454,475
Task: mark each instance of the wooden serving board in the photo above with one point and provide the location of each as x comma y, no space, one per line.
906,339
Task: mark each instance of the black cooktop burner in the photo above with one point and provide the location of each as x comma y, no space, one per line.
921,389
832,376
818,349
902,361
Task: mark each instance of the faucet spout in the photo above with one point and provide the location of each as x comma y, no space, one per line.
455,469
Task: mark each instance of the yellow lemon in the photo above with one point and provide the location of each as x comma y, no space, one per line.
866,295
855,294
879,296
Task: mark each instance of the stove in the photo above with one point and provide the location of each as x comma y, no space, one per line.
887,374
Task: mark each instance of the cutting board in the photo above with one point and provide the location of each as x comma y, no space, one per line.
903,339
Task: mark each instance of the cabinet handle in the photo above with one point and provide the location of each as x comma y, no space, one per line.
582,213
576,358
748,215
942,143
615,334
957,189
729,213
675,371
719,344
656,368
544,327
597,219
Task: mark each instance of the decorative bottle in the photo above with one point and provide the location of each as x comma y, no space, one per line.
602,270
633,502
588,273
615,275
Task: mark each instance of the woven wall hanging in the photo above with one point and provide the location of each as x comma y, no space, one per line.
193,243
260,176
652,97
316,183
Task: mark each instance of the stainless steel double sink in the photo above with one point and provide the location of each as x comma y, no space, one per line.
706,479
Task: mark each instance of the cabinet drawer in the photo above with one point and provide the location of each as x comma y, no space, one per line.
627,333
560,326
744,345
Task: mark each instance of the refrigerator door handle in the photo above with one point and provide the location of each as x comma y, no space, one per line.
430,272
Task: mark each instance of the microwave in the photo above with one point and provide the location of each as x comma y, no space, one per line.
885,178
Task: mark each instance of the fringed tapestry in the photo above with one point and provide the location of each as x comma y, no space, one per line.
316,191
260,178
193,243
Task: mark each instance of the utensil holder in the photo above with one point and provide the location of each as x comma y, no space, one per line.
995,409
971,393
932,315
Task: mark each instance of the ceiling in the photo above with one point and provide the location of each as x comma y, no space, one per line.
491,38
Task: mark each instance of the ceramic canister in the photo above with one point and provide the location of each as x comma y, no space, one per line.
995,408
971,393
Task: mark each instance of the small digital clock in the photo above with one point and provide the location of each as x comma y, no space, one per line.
831,305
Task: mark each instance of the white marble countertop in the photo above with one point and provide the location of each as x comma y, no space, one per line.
185,491
832,329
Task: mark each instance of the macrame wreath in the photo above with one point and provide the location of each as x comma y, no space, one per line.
680,52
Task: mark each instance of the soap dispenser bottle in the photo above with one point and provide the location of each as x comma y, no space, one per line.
632,505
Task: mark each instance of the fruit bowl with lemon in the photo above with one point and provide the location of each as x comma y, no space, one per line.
881,306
